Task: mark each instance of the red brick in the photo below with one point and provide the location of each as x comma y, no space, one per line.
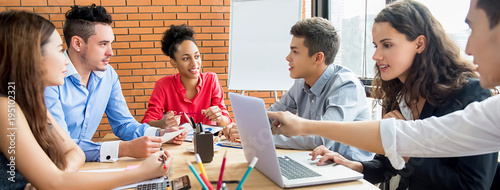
204,50
119,17
220,23
144,72
129,65
213,43
139,17
223,83
57,17
163,2
47,10
135,105
227,2
207,63
58,25
259,94
214,69
140,112
152,78
142,98
148,92
87,2
126,23
151,23
214,57
125,9
221,49
118,59
220,9
212,29
168,71
188,2
113,2
133,92
123,72
164,16
212,2
144,85
151,37
204,9
150,9
138,2
128,52
30,9
221,63
212,16
188,15
160,30
60,2
175,9
203,36
109,9
127,38
141,45
33,3
154,65
151,51
142,58
162,57
197,29
140,30
220,36
118,45
120,31
131,79
157,44
9,3
227,16
127,85
199,23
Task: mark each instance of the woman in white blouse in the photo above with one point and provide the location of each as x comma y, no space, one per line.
474,130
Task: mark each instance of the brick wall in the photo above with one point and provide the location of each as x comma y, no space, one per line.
138,26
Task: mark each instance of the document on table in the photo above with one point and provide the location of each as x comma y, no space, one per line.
154,180
169,136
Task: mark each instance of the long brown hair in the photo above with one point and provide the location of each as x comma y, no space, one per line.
435,73
22,36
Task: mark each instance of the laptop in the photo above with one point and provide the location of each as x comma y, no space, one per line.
286,170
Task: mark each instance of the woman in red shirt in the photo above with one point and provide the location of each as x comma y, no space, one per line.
197,94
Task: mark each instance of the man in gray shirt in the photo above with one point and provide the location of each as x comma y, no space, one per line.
322,91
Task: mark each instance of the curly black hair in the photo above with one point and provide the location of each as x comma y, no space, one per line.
175,36
80,21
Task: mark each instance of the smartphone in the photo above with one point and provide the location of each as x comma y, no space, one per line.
181,183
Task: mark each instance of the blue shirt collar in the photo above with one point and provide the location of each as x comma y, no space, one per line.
321,82
71,70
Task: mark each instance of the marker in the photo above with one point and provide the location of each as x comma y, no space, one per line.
163,159
219,183
197,176
192,122
252,164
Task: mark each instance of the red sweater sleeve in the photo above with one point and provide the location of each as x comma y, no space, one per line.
156,103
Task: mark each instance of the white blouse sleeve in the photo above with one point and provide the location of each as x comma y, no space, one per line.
474,130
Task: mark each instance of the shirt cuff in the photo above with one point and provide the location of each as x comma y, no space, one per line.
151,131
388,136
109,151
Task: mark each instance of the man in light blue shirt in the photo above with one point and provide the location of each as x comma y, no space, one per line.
322,91
92,87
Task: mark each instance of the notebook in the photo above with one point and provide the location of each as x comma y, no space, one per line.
256,139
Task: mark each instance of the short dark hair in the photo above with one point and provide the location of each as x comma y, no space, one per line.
175,36
319,36
80,21
492,9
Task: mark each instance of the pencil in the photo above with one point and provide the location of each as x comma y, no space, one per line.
198,160
209,185
197,176
252,164
163,159
219,183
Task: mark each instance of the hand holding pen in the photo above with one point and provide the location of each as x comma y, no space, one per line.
214,113
170,119
154,164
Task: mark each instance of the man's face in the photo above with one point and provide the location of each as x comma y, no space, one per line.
301,64
97,51
484,45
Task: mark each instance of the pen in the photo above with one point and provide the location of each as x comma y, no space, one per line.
198,160
219,183
192,122
163,159
252,164
204,178
197,176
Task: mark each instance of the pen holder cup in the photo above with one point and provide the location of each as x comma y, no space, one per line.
204,146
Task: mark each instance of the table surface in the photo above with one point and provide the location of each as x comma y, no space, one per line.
236,166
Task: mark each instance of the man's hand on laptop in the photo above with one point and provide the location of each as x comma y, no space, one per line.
141,147
335,157
286,123
231,132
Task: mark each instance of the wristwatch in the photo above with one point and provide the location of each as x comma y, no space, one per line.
157,132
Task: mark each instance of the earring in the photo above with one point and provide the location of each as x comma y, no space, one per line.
78,50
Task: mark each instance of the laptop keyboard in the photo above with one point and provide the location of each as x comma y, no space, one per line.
294,170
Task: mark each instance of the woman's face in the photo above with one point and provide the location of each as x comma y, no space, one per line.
394,53
54,61
187,59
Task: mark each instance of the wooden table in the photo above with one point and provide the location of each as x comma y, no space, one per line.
236,166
